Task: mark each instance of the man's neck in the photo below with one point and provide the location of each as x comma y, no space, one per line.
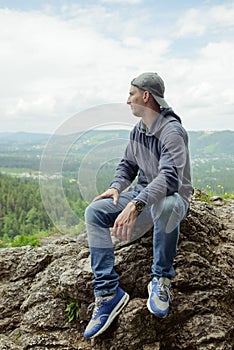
149,118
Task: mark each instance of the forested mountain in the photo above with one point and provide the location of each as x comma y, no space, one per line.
202,143
22,138
23,217
22,213
21,207
216,143
212,153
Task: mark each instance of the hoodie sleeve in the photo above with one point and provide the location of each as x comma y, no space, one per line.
126,170
172,162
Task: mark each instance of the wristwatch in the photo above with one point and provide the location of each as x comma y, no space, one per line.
138,204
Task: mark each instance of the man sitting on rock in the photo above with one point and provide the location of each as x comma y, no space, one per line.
157,155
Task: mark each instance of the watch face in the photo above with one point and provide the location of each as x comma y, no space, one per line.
139,205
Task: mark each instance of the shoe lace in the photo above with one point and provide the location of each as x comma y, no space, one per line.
97,304
164,290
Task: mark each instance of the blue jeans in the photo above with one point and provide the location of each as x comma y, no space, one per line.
165,217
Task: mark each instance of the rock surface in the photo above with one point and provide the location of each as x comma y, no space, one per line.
36,285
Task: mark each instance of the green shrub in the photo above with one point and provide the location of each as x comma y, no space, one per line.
20,241
72,309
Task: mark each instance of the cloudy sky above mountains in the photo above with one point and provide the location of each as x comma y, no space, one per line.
59,57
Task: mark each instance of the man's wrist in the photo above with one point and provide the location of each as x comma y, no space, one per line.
139,205
115,189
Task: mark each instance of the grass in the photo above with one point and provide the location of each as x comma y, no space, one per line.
207,194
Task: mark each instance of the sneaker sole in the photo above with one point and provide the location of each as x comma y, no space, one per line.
117,309
148,304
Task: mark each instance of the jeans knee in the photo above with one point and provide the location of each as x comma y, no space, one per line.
169,213
96,216
169,206
164,208
89,214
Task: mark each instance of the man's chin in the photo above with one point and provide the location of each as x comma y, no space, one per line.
134,112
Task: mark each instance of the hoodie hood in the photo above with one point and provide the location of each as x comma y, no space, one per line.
166,116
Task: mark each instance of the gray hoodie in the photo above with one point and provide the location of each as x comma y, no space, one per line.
159,158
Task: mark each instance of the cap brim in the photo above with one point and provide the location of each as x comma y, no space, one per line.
160,101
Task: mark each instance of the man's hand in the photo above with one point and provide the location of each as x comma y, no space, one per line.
110,193
124,222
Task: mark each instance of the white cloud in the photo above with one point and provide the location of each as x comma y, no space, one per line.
122,1
53,66
199,21
223,15
191,23
203,89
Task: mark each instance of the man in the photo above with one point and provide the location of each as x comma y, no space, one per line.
157,154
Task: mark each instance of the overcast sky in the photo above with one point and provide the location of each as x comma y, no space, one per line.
59,57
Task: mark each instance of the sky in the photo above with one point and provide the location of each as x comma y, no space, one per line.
60,58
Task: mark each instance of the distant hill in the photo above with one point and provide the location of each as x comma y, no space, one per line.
212,154
201,143
211,144
22,137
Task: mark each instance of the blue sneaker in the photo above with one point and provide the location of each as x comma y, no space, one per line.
159,296
105,310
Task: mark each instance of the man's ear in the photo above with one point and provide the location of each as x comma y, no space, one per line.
146,96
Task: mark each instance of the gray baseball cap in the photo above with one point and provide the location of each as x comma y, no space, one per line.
153,83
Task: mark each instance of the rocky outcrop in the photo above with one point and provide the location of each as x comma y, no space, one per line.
37,285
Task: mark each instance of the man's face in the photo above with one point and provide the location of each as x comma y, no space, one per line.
135,100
